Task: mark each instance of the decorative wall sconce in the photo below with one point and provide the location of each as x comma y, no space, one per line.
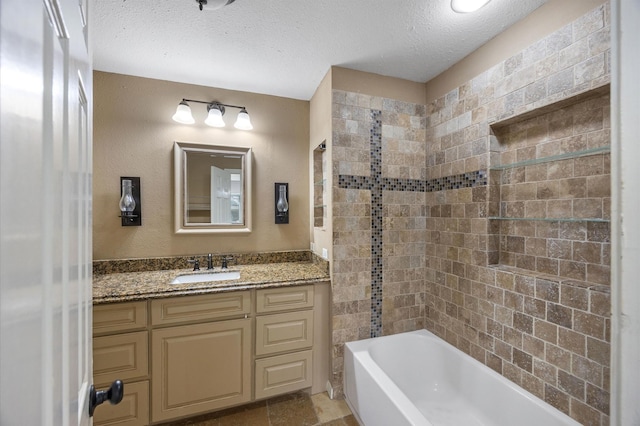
282,203
130,207
215,112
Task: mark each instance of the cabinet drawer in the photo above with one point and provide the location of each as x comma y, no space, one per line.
200,308
121,356
283,299
283,373
118,317
133,410
284,332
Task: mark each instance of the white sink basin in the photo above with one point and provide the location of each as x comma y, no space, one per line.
206,277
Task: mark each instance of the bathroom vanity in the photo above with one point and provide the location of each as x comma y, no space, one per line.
189,349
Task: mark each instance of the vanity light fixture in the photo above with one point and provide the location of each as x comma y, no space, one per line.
215,112
466,6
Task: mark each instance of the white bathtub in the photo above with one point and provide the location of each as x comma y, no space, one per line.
416,378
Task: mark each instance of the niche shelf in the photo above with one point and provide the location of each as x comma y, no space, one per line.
552,219
533,175
565,156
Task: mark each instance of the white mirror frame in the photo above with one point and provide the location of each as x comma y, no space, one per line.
180,189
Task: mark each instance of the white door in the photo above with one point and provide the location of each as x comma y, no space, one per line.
45,213
220,195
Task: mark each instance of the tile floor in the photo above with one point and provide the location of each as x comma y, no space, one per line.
296,409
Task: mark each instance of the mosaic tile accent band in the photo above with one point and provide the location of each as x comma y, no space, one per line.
375,138
464,180
376,183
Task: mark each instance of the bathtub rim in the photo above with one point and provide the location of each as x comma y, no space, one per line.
408,410
359,349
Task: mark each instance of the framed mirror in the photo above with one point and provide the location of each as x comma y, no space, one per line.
212,188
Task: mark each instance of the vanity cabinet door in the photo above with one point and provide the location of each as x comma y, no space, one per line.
119,317
199,368
284,299
279,333
283,373
120,356
133,410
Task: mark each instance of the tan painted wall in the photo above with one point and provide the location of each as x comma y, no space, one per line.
548,18
320,130
134,135
377,85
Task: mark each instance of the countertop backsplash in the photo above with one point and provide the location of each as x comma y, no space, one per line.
101,267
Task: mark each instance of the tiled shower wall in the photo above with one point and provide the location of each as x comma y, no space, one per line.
414,247
528,296
379,219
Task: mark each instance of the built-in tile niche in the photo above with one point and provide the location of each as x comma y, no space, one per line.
549,202
319,184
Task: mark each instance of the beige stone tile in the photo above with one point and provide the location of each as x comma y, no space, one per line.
329,409
570,269
591,325
255,416
584,414
291,409
559,357
556,398
545,331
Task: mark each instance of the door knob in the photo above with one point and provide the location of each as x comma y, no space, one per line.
114,395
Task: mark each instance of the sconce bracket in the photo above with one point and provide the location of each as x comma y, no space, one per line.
283,217
136,217
216,105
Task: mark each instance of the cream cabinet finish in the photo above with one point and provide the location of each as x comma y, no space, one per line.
276,375
284,298
188,355
285,332
123,356
133,410
284,338
179,310
200,367
119,353
119,317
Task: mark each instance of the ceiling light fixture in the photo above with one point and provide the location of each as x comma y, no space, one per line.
215,111
213,4
466,6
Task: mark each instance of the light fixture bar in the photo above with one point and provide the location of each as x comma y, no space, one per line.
215,112
213,103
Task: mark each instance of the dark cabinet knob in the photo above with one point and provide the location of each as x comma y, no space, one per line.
114,395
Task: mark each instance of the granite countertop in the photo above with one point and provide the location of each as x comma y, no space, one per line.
128,286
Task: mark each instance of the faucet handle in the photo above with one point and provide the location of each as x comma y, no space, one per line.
196,264
225,260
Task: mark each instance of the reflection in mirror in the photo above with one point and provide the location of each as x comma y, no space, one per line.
212,188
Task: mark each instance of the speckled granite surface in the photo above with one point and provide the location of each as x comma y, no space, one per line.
127,286
178,262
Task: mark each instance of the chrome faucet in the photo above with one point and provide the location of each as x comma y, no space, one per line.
209,261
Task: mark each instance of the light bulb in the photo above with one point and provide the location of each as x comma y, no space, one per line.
183,114
282,205
214,118
243,122
127,202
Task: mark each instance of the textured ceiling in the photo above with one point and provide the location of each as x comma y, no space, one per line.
285,48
